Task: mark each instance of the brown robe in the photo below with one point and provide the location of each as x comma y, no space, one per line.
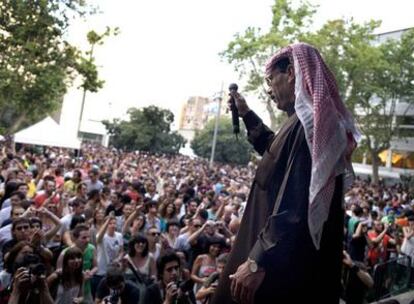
274,230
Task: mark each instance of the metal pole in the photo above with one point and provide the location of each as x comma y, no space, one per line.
213,147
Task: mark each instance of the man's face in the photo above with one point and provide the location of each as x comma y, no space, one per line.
22,232
153,210
170,273
76,177
17,212
83,239
79,209
196,225
378,226
112,225
192,207
15,200
93,176
153,235
174,230
281,88
127,210
50,187
24,189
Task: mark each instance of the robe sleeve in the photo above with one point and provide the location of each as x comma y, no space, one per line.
259,135
287,226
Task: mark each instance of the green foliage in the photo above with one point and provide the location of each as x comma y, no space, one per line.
249,52
37,64
148,129
372,78
228,148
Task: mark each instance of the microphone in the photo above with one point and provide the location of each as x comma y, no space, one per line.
234,112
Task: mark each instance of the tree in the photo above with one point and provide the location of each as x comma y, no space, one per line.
148,129
372,78
250,51
37,64
375,80
228,148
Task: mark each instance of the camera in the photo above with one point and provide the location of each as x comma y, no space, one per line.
113,297
36,269
185,286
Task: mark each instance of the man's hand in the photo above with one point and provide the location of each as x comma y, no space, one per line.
171,293
244,283
240,102
21,280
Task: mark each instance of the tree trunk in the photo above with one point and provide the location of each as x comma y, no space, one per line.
272,115
16,124
375,167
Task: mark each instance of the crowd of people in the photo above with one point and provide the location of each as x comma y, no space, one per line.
108,226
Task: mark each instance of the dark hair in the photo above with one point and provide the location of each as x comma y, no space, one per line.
9,262
114,275
358,211
93,193
223,258
19,194
167,257
215,241
76,220
35,220
77,201
163,211
140,238
78,229
125,198
172,223
72,252
19,220
203,214
144,221
281,65
8,190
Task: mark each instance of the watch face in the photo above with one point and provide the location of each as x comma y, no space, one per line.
253,266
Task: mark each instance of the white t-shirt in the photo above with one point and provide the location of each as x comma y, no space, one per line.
5,214
108,251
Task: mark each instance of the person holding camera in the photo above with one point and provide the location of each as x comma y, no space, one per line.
114,289
29,282
171,289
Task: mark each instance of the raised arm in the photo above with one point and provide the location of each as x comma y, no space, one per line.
259,135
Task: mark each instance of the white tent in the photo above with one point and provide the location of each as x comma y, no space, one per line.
47,132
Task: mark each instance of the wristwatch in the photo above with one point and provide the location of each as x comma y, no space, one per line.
253,267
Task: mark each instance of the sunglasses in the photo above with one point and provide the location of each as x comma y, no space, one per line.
155,233
20,228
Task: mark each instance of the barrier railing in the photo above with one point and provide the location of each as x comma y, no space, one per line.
391,278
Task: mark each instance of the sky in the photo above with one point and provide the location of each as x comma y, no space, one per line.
169,50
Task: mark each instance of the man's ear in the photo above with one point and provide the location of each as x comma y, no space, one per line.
291,73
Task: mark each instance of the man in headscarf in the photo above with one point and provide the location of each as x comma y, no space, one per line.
289,246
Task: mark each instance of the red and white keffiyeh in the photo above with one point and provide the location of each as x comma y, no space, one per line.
329,129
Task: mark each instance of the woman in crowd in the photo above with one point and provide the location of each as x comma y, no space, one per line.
139,258
66,284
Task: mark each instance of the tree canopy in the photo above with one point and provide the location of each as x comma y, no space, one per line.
228,148
373,77
147,129
37,63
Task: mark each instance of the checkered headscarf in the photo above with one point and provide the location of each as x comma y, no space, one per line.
329,129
